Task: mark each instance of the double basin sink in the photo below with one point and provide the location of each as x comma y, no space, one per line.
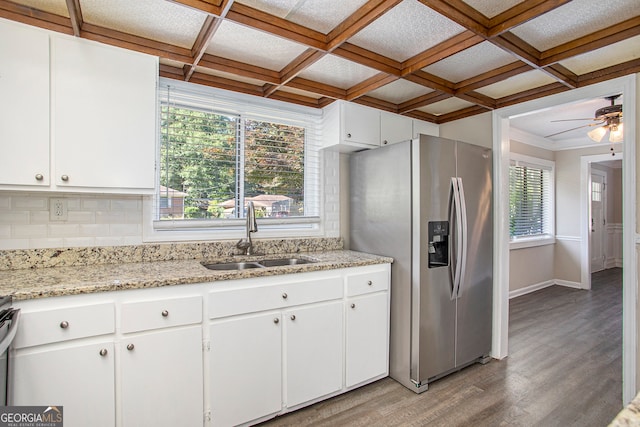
278,262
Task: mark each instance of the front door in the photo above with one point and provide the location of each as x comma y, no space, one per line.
598,203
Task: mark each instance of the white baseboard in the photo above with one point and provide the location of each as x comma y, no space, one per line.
537,286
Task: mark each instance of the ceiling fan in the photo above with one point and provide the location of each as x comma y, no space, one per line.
607,118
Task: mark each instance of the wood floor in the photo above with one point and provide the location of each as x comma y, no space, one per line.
564,369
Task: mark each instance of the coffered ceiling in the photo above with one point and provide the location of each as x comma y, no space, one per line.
436,60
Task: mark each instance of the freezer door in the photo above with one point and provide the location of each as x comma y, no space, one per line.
474,300
433,309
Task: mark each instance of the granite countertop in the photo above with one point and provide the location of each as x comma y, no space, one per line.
629,416
23,284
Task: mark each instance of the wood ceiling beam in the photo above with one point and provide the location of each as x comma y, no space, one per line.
521,13
37,18
528,95
372,83
492,76
454,45
362,17
422,101
370,59
227,84
461,114
478,99
380,104
240,68
603,38
460,13
295,98
518,47
319,88
171,72
608,73
432,82
208,29
277,26
215,7
566,76
421,115
75,15
295,67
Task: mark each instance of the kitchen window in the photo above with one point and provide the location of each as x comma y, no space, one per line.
217,152
531,201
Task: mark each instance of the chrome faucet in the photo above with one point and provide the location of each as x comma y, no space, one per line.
252,226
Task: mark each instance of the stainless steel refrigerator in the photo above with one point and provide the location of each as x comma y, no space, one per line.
427,203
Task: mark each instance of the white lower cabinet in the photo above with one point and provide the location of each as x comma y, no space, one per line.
367,335
313,352
78,377
245,368
161,378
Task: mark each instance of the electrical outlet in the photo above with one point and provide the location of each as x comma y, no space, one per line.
57,210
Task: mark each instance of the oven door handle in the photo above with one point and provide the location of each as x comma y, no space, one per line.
11,332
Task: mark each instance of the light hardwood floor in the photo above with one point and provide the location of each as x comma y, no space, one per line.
564,369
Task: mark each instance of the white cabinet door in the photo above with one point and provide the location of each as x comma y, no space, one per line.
313,343
79,378
360,124
24,110
367,337
426,128
395,128
103,115
245,368
161,377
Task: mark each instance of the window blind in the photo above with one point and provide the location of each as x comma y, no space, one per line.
530,200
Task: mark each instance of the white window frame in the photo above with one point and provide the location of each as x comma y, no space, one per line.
548,238
262,109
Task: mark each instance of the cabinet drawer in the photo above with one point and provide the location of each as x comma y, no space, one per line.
49,326
156,314
269,297
365,283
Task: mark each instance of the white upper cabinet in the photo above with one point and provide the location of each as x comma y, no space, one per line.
24,112
395,128
104,115
425,128
78,115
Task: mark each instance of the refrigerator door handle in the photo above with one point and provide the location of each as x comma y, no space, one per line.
463,238
455,222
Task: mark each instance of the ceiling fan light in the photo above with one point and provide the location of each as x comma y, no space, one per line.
597,134
616,135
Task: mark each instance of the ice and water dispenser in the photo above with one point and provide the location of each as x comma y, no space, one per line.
438,243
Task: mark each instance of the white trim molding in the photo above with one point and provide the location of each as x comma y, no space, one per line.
542,285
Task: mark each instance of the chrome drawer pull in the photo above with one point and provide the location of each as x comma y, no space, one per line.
165,313
64,324
130,347
103,352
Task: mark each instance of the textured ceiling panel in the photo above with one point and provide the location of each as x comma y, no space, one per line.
515,84
244,44
471,62
405,31
319,15
164,21
447,106
399,91
57,7
617,53
491,8
575,19
338,72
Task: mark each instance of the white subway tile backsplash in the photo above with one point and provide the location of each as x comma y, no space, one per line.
110,241
125,229
110,217
78,242
126,205
30,230
5,231
33,203
5,202
46,243
39,217
81,217
94,229
95,204
63,230
14,244
14,217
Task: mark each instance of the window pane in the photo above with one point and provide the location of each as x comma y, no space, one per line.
274,168
529,201
198,162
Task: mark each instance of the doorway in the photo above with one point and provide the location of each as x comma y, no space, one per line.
598,207
626,86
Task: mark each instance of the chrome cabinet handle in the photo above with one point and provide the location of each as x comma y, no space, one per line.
369,283
276,320
130,347
39,177
385,142
64,324
284,295
348,135
353,305
293,317
65,178
165,313
103,352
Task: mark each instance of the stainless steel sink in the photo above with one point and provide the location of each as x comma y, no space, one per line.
233,266
284,261
279,262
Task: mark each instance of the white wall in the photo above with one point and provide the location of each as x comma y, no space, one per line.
476,130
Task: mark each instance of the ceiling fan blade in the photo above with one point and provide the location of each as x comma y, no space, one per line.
570,120
579,127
